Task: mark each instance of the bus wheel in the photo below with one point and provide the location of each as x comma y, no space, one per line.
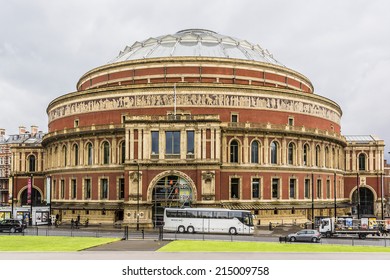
190,229
362,236
232,231
328,235
181,229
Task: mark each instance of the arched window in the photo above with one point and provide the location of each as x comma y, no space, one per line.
326,157
274,152
31,163
234,151
334,158
255,152
106,152
65,155
123,152
318,151
291,153
305,154
362,162
89,154
76,154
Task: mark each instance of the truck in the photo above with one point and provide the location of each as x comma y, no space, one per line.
330,227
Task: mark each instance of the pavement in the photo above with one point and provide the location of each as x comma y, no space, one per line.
131,245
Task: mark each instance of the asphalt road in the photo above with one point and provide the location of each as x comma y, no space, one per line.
147,255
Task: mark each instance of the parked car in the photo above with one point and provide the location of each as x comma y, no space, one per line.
12,225
308,235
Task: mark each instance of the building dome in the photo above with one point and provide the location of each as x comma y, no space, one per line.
194,56
196,42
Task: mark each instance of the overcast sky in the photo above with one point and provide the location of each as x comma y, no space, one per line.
343,47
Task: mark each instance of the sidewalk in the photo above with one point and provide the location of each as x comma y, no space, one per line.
131,245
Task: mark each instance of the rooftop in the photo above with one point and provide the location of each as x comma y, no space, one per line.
196,42
362,139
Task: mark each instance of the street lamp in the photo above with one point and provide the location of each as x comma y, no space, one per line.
358,194
381,196
312,200
13,195
138,179
335,196
31,198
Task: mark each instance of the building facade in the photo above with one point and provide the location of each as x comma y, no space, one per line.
200,119
5,156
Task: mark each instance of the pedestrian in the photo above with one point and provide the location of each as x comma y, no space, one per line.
72,224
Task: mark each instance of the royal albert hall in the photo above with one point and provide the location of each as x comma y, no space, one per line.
196,119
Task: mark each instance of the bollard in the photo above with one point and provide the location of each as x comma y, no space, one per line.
143,234
160,234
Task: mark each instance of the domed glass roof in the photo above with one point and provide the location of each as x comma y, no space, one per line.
196,42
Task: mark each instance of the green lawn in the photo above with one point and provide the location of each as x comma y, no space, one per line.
50,243
226,246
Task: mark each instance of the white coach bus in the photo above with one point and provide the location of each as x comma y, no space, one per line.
208,220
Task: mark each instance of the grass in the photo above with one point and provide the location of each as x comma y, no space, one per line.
225,246
50,243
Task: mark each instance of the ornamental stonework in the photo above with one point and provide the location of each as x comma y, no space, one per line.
201,99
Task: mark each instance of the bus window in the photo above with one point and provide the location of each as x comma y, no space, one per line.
171,213
205,214
237,215
181,213
221,214
192,214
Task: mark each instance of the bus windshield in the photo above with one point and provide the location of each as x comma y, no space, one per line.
248,219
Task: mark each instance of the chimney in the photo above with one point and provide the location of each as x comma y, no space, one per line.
34,129
2,132
22,130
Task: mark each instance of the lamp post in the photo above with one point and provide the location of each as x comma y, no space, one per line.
138,180
358,195
13,195
381,196
312,200
335,196
31,198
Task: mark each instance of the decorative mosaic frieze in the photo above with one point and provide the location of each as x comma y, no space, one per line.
148,100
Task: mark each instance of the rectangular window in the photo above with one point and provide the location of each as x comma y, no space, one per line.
155,142
327,189
290,121
172,146
275,188
54,188
87,186
319,188
307,188
235,188
190,142
293,183
121,194
104,188
234,118
256,188
62,189
73,188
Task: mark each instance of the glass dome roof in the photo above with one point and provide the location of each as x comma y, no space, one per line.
196,42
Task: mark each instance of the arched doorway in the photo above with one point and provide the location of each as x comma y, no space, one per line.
366,198
170,191
36,197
